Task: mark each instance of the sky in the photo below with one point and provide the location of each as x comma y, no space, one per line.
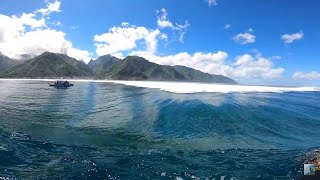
267,42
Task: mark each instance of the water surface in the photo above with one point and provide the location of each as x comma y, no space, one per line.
112,131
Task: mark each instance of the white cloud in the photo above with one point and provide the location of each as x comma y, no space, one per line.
245,38
289,38
249,67
227,26
164,37
163,22
244,66
182,29
51,7
244,59
213,63
162,19
126,38
28,19
212,3
131,39
309,76
27,34
57,23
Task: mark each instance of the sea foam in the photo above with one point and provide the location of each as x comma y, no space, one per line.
193,87
189,87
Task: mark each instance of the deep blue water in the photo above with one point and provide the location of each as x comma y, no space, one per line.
110,131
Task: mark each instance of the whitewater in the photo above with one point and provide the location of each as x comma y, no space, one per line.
192,87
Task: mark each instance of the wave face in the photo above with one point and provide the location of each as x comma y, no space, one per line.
107,130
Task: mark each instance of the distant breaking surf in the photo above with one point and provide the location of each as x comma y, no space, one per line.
190,87
194,87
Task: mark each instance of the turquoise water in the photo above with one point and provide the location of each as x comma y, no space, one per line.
109,131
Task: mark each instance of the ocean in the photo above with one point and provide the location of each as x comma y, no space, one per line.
155,130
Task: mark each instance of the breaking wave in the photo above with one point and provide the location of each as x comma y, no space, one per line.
187,87
194,87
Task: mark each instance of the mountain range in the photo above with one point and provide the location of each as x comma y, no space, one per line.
55,65
6,62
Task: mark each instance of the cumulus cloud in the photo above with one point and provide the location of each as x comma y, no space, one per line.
309,75
27,19
290,38
51,7
245,38
207,62
126,38
212,3
29,34
244,67
131,39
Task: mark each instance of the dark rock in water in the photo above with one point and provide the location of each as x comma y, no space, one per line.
311,165
313,158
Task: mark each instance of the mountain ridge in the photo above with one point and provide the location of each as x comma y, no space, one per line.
55,65
6,62
46,65
103,63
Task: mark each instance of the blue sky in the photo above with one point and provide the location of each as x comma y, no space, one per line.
255,42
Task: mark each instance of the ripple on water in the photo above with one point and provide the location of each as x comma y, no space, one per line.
103,130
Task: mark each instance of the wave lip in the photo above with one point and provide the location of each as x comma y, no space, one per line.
190,87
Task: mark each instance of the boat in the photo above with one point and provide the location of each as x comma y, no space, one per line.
61,84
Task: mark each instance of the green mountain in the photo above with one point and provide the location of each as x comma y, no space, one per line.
198,76
80,65
104,63
54,65
138,68
6,62
47,65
